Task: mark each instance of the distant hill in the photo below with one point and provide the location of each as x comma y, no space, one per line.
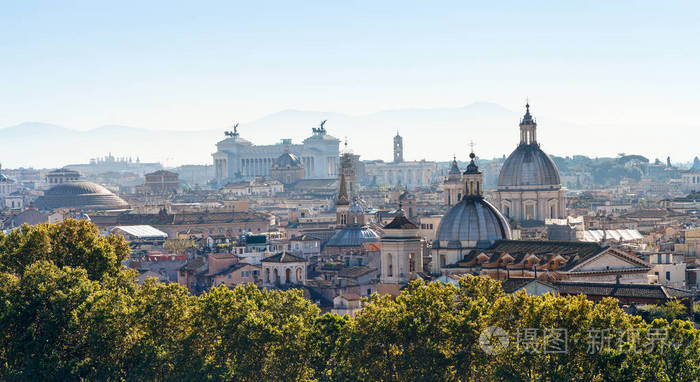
430,133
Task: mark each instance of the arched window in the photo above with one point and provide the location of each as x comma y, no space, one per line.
287,276
267,275
300,277
276,274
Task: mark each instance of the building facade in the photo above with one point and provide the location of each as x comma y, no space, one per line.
401,251
400,172
690,179
237,158
160,182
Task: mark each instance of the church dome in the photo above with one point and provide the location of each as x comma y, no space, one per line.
80,194
528,165
352,236
471,223
287,160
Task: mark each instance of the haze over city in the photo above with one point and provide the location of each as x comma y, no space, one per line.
618,77
349,191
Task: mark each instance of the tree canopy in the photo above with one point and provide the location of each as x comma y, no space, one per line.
68,311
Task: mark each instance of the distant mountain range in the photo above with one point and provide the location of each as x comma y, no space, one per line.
432,134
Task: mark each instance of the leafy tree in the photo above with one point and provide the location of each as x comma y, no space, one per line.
248,334
74,243
69,311
179,246
35,321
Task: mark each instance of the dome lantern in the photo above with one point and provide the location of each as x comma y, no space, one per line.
473,179
528,128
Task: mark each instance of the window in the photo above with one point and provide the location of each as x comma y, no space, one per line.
369,292
668,276
658,258
530,212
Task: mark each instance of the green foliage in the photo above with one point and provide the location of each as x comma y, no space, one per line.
74,243
63,318
671,310
179,246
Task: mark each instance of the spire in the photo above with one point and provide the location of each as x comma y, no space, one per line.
343,192
527,118
472,168
454,169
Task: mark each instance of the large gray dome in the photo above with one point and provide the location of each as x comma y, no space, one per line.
352,236
80,195
528,165
471,223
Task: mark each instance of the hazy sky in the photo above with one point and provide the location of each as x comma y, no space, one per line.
633,65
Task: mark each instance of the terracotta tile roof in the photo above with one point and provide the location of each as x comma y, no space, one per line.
654,291
401,222
283,257
356,271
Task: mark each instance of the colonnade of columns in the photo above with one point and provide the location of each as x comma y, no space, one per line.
407,176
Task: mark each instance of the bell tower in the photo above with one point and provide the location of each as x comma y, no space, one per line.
342,204
398,148
453,189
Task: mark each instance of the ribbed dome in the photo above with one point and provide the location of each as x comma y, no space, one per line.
352,236
80,194
528,165
287,160
471,223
